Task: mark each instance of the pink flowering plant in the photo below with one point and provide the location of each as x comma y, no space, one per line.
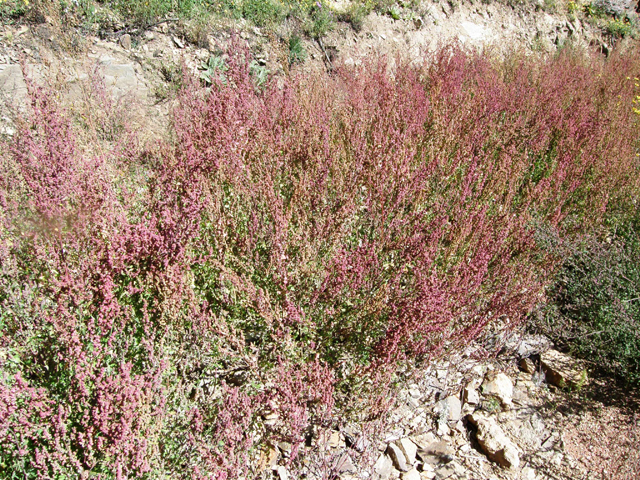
286,247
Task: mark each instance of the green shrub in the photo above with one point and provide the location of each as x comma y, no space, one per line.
213,67
259,73
619,28
594,11
134,12
355,14
12,8
297,53
572,7
550,6
263,12
141,11
172,80
321,22
287,247
595,307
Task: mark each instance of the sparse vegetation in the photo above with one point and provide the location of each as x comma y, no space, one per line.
297,53
355,15
620,28
12,9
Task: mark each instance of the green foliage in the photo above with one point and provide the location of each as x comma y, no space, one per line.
146,12
593,10
141,12
263,12
321,21
297,52
87,10
227,8
12,9
595,308
196,31
172,80
491,405
132,12
259,73
215,66
550,6
355,14
316,16
620,28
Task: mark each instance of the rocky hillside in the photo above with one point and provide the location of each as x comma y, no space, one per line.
512,418
144,63
511,408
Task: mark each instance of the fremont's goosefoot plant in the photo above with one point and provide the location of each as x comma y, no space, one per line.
167,309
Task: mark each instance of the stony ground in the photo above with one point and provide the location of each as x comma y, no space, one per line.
460,419
473,420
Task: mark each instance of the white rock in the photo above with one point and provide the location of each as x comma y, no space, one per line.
426,467
282,473
12,83
396,434
527,365
415,393
443,430
335,440
412,474
438,450
479,370
179,43
125,41
476,32
562,370
409,449
532,345
420,419
454,407
460,428
383,467
398,457
499,386
494,442
424,440
556,460
271,418
346,466
471,396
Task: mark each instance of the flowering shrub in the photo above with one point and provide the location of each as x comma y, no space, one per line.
166,309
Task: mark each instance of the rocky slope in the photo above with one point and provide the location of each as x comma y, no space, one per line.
459,419
466,419
144,65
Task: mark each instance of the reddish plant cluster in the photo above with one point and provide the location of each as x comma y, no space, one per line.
295,240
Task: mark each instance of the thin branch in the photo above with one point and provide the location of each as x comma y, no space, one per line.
130,29
325,53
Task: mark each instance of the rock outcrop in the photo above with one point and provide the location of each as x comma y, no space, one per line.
562,370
